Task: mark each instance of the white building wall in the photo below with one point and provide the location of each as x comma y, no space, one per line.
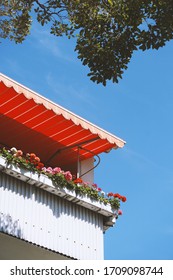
85,166
45,219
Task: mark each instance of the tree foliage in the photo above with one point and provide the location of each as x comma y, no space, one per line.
107,32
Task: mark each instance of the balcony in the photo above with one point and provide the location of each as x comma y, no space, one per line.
39,218
55,218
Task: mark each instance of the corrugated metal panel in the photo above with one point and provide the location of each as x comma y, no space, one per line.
47,220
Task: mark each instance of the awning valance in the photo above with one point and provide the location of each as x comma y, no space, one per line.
33,123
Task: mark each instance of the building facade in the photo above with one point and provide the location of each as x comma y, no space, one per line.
38,219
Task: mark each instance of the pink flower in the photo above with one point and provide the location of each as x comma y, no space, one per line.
49,170
44,169
57,170
19,153
68,175
120,212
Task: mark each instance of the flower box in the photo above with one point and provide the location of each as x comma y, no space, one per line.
42,181
30,169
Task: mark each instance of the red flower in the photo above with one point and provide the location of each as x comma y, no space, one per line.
123,198
117,195
95,186
99,189
32,156
37,159
110,194
78,180
32,161
40,165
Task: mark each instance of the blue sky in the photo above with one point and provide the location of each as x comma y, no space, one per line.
139,110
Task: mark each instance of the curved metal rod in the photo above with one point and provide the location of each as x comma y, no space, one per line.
69,147
95,165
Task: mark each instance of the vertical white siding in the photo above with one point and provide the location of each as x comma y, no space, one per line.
47,220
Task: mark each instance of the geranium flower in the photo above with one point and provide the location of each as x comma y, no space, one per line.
32,162
86,183
13,150
78,180
32,156
68,175
49,170
123,198
18,154
37,159
57,170
117,195
110,194
40,166
44,169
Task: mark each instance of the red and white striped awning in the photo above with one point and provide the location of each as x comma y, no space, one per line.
33,123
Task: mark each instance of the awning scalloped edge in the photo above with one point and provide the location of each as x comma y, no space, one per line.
57,109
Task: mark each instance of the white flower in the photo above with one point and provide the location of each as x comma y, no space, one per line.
13,150
102,193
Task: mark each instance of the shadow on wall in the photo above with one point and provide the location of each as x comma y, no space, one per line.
7,225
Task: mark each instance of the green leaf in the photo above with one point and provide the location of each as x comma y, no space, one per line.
107,32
